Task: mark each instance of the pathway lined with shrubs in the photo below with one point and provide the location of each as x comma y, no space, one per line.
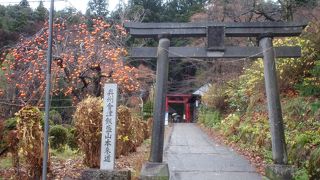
192,155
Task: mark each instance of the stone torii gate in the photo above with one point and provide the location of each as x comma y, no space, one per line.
215,34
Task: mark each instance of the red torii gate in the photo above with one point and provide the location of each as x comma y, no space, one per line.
180,99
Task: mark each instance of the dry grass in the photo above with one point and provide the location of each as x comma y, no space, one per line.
135,160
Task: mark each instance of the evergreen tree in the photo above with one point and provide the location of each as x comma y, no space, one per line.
19,19
40,13
116,15
153,8
24,3
71,14
97,8
182,10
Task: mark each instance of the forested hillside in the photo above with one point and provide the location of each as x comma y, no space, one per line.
20,19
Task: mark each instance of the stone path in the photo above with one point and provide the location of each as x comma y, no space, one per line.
191,155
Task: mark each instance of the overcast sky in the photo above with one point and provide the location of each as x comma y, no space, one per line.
81,5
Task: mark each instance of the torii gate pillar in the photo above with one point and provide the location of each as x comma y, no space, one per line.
279,170
155,168
157,138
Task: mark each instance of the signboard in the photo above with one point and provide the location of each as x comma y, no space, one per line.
108,137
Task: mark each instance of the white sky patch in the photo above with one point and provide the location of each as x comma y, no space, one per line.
80,5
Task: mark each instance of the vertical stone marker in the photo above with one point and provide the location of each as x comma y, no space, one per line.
108,137
108,140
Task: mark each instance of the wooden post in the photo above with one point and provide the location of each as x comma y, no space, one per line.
156,154
167,104
279,151
188,112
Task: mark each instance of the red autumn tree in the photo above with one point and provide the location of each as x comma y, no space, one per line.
83,61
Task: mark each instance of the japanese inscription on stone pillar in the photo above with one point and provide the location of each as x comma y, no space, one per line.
108,137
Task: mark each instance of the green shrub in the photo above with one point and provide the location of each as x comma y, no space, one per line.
58,137
247,132
215,98
310,86
301,174
314,166
212,118
267,155
237,97
72,140
10,124
255,105
5,127
315,108
209,118
230,124
253,131
55,117
147,110
43,118
299,151
296,108
201,115
62,100
240,90
303,139
3,144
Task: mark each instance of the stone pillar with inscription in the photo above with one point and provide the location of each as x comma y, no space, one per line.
108,140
